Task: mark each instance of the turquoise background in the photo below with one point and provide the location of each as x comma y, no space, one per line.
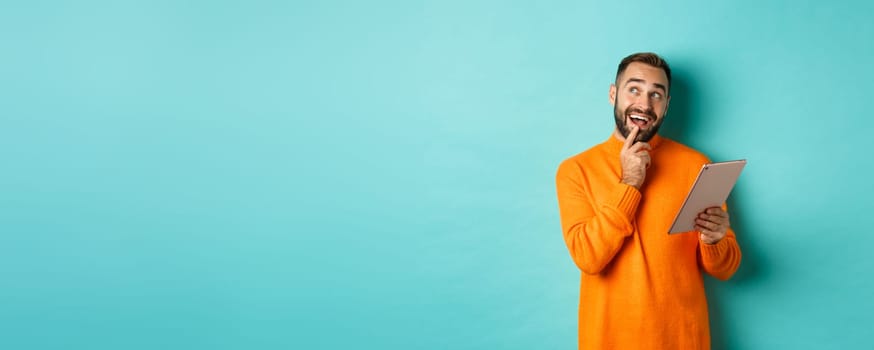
380,175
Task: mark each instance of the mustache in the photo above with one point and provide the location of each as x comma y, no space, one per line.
647,112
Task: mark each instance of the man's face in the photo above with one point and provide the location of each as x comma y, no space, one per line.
640,97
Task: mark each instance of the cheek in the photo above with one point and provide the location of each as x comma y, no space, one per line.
623,104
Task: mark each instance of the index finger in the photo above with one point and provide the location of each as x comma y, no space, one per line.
629,140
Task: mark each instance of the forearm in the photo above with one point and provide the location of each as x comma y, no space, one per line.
594,240
722,259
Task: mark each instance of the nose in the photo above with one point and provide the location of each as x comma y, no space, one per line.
648,102
645,102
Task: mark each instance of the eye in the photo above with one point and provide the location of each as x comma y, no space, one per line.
656,95
634,90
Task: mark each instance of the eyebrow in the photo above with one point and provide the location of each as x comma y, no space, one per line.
638,80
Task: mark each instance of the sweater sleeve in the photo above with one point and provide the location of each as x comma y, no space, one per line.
593,232
722,259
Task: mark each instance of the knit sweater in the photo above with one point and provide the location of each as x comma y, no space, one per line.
640,288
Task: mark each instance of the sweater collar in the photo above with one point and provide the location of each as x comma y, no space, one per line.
614,145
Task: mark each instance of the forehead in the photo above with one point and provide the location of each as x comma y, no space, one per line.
645,72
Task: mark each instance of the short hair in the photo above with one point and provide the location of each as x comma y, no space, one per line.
647,58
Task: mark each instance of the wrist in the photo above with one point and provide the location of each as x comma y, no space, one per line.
708,240
632,182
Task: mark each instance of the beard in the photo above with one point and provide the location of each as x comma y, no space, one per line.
625,129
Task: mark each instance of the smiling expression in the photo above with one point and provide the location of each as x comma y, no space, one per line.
640,97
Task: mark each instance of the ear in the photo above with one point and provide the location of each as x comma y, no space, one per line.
613,95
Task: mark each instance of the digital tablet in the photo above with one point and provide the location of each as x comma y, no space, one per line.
711,189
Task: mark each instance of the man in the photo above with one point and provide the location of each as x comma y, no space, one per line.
641,288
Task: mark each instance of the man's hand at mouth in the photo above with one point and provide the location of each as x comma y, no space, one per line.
634,158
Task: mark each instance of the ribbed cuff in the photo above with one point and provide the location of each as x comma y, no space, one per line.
625,198
714,250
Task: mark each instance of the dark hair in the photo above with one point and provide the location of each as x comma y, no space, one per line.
648,58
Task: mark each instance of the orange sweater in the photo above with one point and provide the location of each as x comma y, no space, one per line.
641,288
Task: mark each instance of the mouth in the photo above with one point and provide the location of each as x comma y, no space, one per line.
641,120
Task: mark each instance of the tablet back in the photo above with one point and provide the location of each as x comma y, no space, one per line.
711,189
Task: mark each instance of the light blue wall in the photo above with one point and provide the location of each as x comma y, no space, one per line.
376,175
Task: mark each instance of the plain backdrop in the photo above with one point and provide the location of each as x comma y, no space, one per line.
380,175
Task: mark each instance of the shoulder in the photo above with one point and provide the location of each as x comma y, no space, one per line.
576,163
680,152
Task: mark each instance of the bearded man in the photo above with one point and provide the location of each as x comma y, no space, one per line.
640,287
